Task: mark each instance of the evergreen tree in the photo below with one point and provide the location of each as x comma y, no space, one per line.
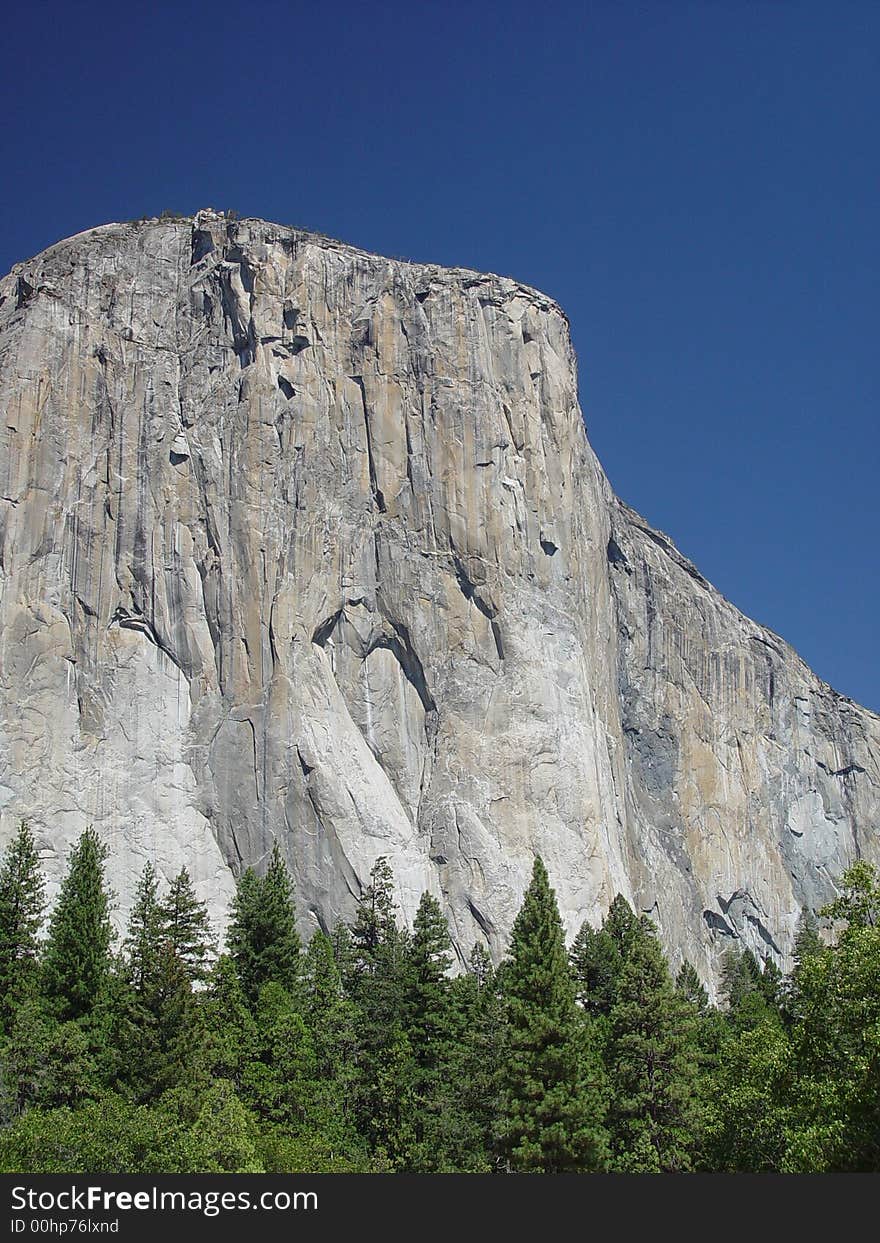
226,1134
378,983
623,926
741,989
149,1015
807,943
45,1064
262,938
472,1074
144,935
134,999
230,1031
186,927
551,1106
772,984
330,1018
22,905
691,987
652,1065
327,1011
375,924
279,1084
430,1026
25,1058
480,966
430,958
596,962
345,956
807,940
77,959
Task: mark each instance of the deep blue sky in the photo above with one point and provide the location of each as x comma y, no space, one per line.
696,183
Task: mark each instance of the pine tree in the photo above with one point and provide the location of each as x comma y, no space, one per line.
596,962
430,958
480,965
151,1018
551,1106
22,905
741,987
280,1084
263,940
772,984
231,1038
430,1028
345,956
378,983
691,987
652,1065
807,940
623,926
144,934
471,1075
330,1018
807,944
225,1134
77,959
375,923
186,927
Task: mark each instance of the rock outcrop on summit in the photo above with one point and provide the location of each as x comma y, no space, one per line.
299,543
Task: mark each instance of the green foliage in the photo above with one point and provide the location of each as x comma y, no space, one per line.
366,1054
623,926
45,1063
428,1013
691,987
751,998
652,1063
263,941
596,962
470,1113
226,1134
230,1030
22,905
375,924
551,1099
186,928
109,1136
378,980
807,940
746,1118
143,939
836,1043
77,959
859,900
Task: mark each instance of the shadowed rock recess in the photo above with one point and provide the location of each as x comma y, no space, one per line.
301,543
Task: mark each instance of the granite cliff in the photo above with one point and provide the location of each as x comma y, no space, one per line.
302,543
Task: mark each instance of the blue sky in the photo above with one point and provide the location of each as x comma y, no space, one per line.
696,183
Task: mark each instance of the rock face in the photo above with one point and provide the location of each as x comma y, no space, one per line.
298,543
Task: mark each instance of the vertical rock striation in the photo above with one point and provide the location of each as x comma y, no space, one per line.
301,543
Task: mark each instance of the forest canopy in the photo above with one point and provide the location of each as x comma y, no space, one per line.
362,1051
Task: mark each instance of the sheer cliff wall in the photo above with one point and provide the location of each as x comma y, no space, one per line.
299,543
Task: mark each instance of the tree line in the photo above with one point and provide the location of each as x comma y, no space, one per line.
360,1051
